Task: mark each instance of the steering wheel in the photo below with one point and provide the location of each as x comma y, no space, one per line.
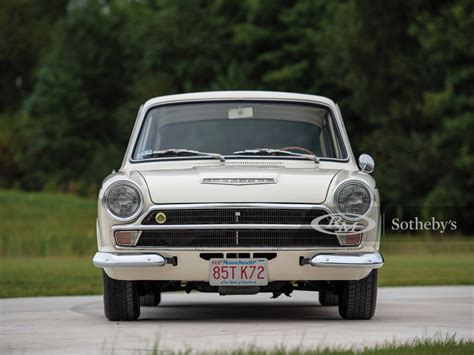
301,149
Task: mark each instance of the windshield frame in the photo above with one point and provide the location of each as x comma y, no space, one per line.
337,127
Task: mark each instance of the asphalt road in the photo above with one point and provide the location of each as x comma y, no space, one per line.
199,321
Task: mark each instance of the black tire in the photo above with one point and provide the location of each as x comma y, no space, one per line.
358,298
121,300
151,299
328,299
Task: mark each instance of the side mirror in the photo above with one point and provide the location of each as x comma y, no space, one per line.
366,163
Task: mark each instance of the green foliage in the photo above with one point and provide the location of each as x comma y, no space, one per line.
9,169
25,28
69,130
446,46
402,73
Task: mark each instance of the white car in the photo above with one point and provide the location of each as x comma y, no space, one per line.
239,192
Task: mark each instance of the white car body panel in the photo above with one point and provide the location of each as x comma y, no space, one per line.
291,185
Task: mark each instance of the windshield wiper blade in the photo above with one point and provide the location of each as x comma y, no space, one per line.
270,151
165,152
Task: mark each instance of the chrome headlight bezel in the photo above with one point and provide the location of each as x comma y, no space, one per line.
132,185
344,185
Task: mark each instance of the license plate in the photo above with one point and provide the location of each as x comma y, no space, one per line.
238,272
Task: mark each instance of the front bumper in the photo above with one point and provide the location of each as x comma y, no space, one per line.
286,266
368,260
104,260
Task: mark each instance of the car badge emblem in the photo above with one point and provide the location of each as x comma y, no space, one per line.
160,218
238,181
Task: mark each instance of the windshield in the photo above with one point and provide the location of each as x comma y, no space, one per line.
230,128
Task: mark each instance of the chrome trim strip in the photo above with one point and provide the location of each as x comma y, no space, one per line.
217,226
102,260
238,181
369,260
242,249
238,205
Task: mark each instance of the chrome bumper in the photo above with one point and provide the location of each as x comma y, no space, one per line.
370,260
138,260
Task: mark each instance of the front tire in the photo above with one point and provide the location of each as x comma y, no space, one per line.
328,299
121,301
358,298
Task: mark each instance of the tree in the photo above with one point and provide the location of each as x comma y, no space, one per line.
69,129
448,102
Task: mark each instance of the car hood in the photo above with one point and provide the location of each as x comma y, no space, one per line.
238,184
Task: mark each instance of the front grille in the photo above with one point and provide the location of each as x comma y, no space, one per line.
242,237
236,216
233,238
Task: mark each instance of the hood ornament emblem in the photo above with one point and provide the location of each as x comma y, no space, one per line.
238,181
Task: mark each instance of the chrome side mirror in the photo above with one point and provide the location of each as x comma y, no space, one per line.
366,163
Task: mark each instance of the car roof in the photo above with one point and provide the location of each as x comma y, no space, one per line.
239,95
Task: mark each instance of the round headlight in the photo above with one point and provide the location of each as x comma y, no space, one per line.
123,200
353,199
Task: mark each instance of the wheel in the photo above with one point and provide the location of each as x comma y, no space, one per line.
121,301
358,298
328,299
151,299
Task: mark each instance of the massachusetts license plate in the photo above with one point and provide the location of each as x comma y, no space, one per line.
238,272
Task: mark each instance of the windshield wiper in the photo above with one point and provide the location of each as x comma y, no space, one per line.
270,151
166,152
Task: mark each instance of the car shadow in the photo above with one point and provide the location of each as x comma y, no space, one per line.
239,312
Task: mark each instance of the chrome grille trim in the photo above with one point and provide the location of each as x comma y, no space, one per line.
237,205
220,226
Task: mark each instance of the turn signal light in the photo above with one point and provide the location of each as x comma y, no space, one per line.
350,239
126,238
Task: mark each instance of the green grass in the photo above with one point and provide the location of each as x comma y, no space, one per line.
434,346
47,241
422,270
48,276
427,260
46,224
